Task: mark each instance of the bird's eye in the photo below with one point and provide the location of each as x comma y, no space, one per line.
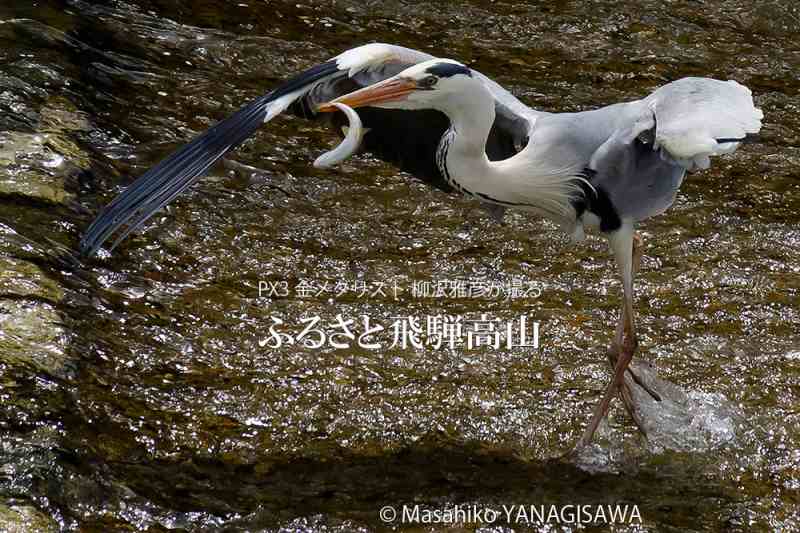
428,81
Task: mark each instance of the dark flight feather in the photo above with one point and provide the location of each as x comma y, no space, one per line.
159,185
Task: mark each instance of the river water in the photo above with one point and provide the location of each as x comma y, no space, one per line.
143,391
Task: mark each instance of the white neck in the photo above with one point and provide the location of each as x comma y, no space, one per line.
516,181
471,116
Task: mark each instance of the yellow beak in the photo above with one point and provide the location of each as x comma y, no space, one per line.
390,90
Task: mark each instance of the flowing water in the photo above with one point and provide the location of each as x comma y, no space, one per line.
144,391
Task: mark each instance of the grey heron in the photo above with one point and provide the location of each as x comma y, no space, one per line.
602,170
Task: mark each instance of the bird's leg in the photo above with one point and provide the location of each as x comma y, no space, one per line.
616,345
637,250
621,242
613,352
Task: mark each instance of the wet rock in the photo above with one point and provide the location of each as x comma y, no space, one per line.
16,110
37,165
690,421
24,519
61,115
29,167
31,333
21,278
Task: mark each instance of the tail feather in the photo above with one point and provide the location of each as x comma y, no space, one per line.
701,117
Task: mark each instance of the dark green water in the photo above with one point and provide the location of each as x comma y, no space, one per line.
138,394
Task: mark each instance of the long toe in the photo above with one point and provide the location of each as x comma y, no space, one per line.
628,397
632,388
642,383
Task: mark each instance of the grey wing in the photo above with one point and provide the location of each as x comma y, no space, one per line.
675,129
178,171
637,181
514,116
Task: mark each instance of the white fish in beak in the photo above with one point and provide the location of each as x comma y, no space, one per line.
352,140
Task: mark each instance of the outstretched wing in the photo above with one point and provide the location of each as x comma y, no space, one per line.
409,141
166,180
675,129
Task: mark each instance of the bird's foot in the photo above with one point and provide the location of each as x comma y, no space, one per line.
617,380
631,379
624,347
613,354
626,395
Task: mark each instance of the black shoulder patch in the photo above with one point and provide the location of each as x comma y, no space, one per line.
445,70
595,200
605,211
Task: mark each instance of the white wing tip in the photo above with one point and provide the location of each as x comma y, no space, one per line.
361,57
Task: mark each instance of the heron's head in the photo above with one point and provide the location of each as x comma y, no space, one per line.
434,84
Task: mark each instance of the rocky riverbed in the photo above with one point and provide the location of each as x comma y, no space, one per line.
141,391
